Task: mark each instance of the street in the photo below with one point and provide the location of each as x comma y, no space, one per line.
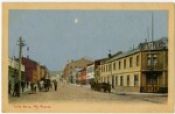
77,93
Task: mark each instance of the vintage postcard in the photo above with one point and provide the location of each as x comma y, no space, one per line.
88,57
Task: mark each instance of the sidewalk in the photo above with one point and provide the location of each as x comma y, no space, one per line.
140,94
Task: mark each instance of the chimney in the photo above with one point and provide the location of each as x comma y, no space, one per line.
109,55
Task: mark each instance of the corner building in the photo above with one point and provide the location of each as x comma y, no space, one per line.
139,70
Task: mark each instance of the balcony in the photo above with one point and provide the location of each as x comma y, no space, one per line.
153,67
153,89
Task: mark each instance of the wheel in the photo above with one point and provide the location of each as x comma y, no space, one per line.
102,89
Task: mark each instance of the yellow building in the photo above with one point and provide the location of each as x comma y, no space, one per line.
43,71
38,68
139,70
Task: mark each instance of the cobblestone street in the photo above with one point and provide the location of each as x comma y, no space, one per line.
84,93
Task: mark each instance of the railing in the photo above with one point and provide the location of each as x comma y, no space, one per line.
154,89
153,67
150,88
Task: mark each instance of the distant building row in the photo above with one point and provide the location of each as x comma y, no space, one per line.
144,69
31,71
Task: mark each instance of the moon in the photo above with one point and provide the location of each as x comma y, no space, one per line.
76,20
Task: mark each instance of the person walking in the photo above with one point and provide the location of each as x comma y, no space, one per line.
9,87
22,86
35,87
15,89
55,84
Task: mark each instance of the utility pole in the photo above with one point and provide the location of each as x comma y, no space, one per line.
152,27
20,44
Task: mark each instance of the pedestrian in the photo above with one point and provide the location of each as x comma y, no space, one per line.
39,86
9,87
16,87
55,84
22,86
35,88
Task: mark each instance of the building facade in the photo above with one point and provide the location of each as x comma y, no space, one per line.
82,77
13,66
71,68
139,70
34,71
90,72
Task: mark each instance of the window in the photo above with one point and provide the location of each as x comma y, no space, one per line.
136,80
151,59
105,68
137,60
121,80
128,80
110,67
114,66
124,63
154,59
116,81
119,64
130,61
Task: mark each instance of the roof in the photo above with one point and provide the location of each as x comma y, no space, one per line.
124,54
158,45
27,59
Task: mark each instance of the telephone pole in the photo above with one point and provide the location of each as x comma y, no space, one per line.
20,44
152,27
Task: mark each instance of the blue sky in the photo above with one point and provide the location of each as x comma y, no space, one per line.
56,36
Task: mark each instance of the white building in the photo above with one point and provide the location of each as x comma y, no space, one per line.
90,72
15,65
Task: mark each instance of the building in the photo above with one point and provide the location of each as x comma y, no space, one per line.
13,66
34,71
31,69
82,79
143,69
43,72
90,72
75,74
55,75
71,68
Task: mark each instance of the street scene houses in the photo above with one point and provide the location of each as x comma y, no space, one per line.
142,69
34,71
81,70
74,68
90,72
32,74
13,66
55,75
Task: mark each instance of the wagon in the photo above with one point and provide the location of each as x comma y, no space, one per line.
104,87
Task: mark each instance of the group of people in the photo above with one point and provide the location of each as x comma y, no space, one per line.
15,89
43,85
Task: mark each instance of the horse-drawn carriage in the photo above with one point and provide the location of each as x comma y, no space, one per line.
47,84
104,87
